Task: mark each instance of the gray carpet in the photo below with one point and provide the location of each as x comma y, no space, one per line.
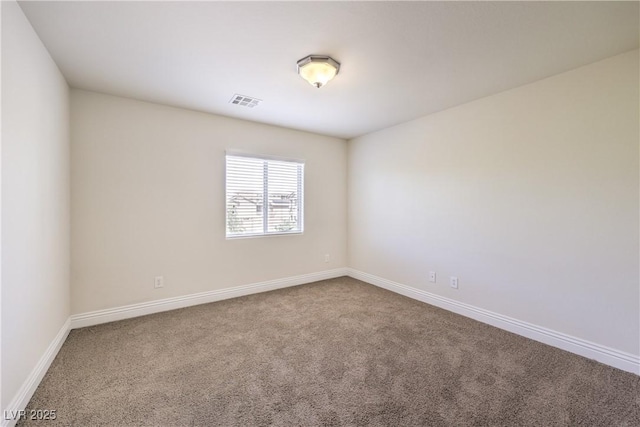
335,353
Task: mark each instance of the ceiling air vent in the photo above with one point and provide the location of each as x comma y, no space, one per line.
245,101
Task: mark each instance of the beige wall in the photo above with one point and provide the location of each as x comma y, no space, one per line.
529,196
35,200
148,200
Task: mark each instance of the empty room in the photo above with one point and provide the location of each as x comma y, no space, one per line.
320,213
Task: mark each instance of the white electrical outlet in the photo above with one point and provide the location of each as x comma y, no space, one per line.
453,282
158,282
432,276
327,258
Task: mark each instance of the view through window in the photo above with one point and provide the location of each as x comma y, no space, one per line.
263,196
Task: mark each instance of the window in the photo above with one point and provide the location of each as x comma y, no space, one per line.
263,196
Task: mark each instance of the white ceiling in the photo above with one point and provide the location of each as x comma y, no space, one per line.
400,60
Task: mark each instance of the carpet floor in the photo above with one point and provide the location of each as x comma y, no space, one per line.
333,353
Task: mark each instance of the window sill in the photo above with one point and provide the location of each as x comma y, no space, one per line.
252,236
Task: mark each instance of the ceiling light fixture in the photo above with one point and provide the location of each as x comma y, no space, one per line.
318,69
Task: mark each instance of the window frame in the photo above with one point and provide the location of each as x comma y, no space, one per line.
265,232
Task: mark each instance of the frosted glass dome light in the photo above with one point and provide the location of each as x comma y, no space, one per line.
318,70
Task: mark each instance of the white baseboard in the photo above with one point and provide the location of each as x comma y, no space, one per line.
609,356
29,387
157,306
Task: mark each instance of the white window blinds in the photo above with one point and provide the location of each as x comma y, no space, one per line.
263,196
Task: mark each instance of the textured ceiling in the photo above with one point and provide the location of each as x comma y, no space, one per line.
400,60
